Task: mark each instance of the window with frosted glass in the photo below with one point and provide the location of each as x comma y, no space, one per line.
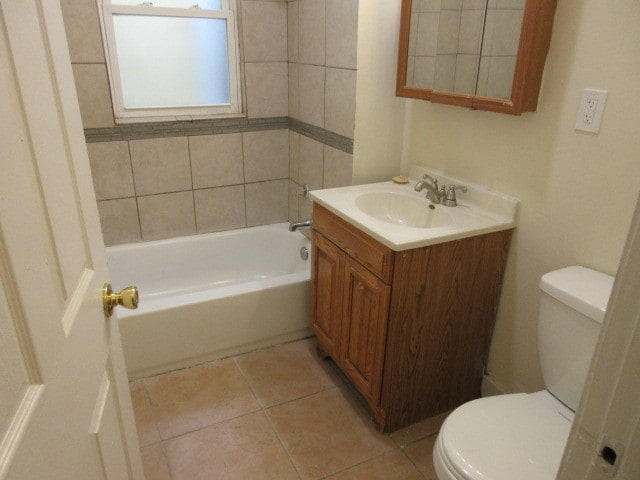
172,58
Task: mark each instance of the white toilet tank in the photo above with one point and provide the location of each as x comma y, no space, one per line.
572,307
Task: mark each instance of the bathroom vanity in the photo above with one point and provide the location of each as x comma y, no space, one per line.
408,323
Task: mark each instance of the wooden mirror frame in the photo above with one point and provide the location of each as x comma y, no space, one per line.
535,37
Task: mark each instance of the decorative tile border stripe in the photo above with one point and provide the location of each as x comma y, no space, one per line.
139,131
321,135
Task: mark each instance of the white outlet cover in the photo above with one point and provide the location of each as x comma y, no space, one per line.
590,110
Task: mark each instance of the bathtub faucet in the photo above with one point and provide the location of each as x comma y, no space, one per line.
293,226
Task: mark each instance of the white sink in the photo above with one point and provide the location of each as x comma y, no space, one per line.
402,208
401,218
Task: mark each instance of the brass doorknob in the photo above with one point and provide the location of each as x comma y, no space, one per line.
128,298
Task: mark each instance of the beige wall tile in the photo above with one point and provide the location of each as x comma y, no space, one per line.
338,168
424,72
511,4
220,208
471,23
167,215
500,79
483,76
119,221
311,26
474,4
292,30
111,170
267,89
264,30
430,5
427,36
294,155
293,201
413,33
267,202
216,160
448,32
92,86
312,94
506,32
311,163
451,4
294,90
465,79
305,208
82,26
340,101
161,165
487,38
341,32
266,155
445,72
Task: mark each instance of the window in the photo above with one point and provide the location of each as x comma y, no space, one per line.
172,59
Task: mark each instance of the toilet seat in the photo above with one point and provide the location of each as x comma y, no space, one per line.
504,437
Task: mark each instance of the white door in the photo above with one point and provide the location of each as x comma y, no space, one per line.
65,411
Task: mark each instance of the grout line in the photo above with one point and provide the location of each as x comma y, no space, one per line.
423,474
166,460
345,386
135,189
247,383
284,448
193,193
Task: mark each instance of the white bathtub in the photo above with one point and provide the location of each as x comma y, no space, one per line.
209,296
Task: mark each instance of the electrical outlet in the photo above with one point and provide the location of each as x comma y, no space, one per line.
590,110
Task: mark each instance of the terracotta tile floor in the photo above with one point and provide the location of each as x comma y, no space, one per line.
277,413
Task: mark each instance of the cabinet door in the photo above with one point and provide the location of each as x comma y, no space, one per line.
364,329
327,264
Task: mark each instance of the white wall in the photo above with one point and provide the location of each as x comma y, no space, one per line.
379,113
577,190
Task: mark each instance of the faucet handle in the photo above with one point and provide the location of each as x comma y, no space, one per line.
450,200
433,181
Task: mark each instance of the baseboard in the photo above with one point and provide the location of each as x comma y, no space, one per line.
490,387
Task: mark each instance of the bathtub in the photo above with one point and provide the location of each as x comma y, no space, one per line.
209,296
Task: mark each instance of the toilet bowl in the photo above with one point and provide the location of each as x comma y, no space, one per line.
522,436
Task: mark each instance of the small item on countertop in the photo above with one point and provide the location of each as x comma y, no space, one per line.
400,179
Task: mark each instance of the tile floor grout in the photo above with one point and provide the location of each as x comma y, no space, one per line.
335,381
284,449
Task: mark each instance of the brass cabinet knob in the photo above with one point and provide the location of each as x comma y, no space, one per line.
128,298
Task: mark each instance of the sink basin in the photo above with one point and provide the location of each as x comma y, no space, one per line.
401,218
401,209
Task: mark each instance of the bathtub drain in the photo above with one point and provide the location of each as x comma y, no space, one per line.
304,253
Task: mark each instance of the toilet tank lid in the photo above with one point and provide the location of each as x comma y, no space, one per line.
580,288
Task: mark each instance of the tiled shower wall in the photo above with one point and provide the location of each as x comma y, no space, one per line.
159,180
322,38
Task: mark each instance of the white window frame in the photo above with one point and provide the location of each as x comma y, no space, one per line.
136,115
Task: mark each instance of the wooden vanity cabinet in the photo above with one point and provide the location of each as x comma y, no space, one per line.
410,329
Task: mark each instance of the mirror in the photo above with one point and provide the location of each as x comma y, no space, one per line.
482,54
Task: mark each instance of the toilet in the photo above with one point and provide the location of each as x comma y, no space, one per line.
522,436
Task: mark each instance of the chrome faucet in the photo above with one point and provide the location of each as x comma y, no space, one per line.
293,226
450,200
434,194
